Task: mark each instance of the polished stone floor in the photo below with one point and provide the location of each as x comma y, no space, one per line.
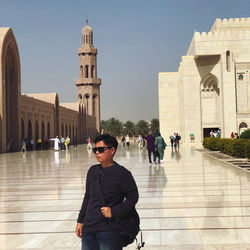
190,201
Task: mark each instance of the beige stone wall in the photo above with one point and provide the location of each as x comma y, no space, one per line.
169,108
34,110
210,95
232,35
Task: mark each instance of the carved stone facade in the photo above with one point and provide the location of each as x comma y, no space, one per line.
211,89
33,116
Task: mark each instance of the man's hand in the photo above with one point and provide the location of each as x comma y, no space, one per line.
79,230
106,211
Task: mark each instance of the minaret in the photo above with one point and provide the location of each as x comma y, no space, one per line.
88,85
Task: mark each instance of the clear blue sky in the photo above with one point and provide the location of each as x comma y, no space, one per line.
135,39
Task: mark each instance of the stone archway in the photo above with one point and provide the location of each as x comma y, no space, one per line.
48,130
242,127
29,130
36,131
10,92
210,103
43,130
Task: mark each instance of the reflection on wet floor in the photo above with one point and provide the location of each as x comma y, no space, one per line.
190,201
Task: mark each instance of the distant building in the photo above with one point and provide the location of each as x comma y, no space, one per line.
41,116
211,89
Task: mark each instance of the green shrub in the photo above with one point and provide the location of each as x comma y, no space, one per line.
245,134
211,143
238,148
228,146
205,142
247,149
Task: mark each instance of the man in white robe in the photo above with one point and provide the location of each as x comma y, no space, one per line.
56,143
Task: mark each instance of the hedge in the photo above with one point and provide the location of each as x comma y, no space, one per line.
245,134
234,147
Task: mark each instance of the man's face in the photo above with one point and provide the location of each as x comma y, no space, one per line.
105,157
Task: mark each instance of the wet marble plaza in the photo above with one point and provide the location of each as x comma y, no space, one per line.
190,201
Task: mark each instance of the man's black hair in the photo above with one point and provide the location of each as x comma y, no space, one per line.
109,140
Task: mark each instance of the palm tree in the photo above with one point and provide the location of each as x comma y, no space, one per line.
142,127
129,128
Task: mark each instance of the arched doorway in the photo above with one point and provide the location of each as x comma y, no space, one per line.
10,89
29,130
56,123
48,130
36,131
242,127
43,131
62,130
11,99
210,104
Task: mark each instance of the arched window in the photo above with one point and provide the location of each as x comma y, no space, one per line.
92,70
87,103
86,38
86,71
242,127
81,71
228,60
80,97
94,104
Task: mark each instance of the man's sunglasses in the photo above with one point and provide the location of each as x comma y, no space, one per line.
100,149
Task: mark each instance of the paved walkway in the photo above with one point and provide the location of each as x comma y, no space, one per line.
189,202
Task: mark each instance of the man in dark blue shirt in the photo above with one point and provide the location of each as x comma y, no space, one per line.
120,193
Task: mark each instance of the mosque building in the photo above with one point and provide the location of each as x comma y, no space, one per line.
41,116
211,89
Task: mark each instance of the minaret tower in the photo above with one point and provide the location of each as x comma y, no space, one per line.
88,85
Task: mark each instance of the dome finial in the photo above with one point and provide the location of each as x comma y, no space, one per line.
87,21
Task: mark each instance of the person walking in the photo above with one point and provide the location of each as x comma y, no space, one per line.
127,141
150,146
161,145
119,190
139,142
171,140
23,146
31,144
67,142
62,143
177,140
89,146
123,142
